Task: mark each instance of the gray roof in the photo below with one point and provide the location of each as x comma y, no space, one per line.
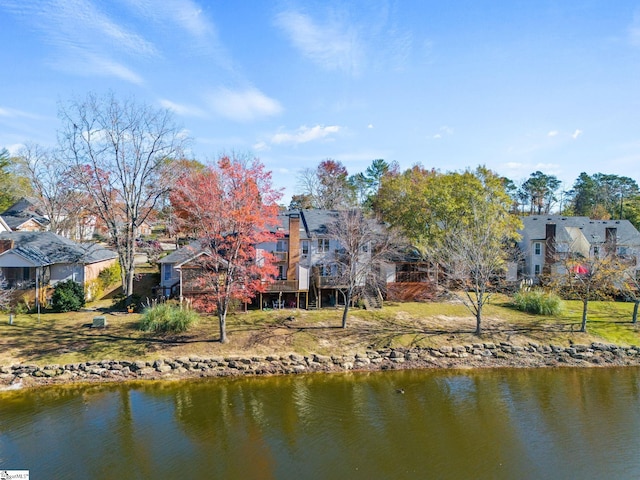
313,224
316,221
593,230
183,254
22,211
47,248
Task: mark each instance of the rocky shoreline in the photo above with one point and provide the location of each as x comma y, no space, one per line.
476,355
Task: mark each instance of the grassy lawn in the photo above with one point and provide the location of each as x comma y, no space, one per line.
69,338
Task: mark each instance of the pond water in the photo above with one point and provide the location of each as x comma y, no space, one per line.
546,423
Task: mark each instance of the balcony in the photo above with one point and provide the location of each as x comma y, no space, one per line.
280,257
323,281
282,286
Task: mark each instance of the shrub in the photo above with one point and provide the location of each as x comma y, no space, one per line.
68,296
94,290
110,275
538,302
167,318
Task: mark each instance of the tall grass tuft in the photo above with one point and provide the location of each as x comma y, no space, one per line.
167,318
538,302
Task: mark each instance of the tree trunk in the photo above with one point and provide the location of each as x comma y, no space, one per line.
479,321
634,318
222,318
345,312
585,304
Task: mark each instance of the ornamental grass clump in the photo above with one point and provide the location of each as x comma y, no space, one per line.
538,302
167,318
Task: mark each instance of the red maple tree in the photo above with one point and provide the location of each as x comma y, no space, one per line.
229,208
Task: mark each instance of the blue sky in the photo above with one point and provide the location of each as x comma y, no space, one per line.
518,86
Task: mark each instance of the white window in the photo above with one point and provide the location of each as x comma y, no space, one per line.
537,248
281,246
596,250
323,245
304,247
536,269
622,250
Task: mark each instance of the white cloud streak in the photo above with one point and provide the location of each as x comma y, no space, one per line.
332,45
87,41
243,106
305,134
181,109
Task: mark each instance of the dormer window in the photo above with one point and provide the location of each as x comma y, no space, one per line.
323,245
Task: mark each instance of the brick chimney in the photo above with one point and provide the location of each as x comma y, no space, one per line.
550,245
294,246
6,245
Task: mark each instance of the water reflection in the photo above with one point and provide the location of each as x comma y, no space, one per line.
566,423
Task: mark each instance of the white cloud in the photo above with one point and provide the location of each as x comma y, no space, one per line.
87,41
243,105
333,45
370,125
13,113
305,134
180,109
14,149
105,66
576,134
442,132
553,133
261,147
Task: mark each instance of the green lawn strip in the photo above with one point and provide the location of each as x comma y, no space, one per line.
68,338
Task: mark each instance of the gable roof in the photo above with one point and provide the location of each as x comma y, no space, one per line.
22,211
568,227
316,221
47,248
183,254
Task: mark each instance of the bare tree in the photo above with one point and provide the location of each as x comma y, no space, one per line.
631,291
120,153
588,273
366,247
327,186
53,190
475,255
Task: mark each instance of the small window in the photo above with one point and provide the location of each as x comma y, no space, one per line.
323,245
364,248
167,271
281,246
536,269
537,248
282,272
26,273
304,248
596,250
622,250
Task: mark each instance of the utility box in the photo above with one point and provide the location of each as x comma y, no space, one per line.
100,321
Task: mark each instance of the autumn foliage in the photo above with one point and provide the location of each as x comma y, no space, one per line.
229,208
